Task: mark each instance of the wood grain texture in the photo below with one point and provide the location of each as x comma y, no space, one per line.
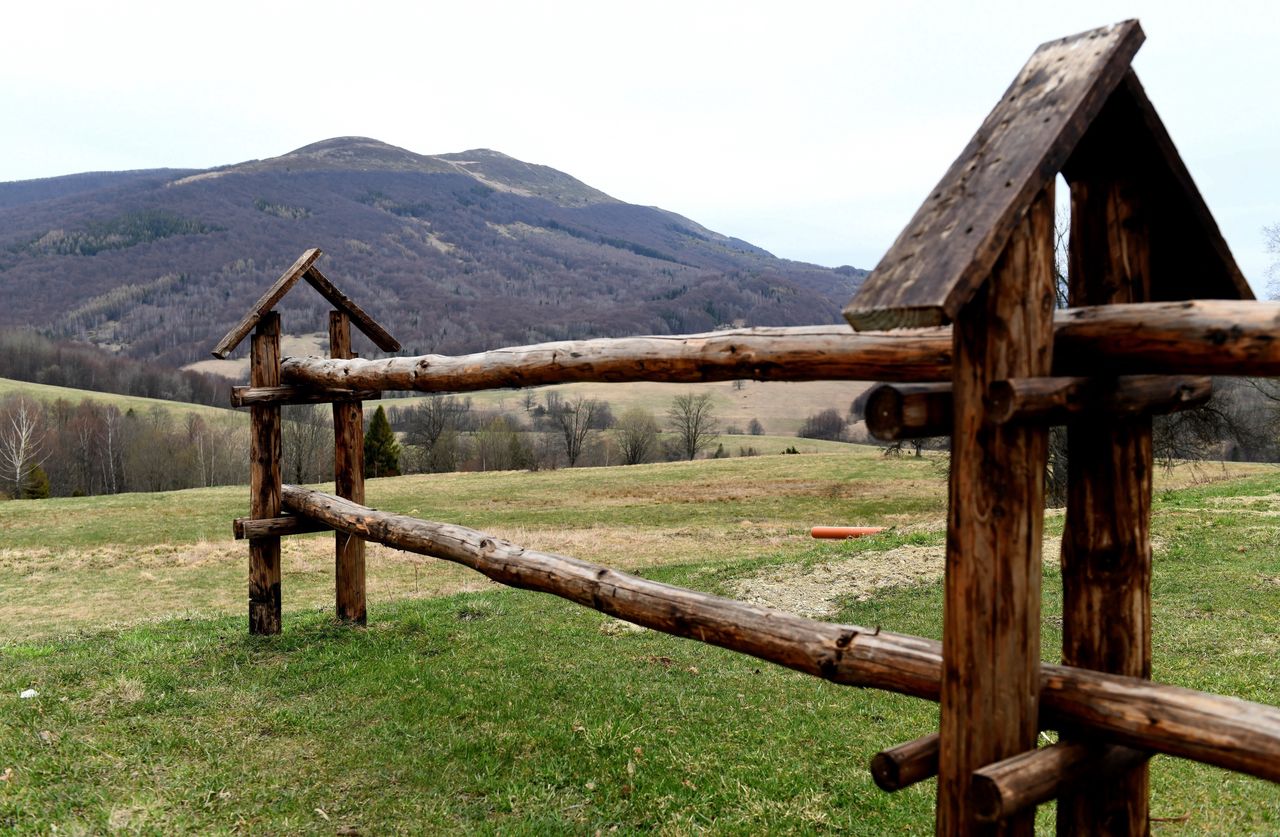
948,249
1058,400
909,411
1210,337
991,598
355,313
265,303
248,396
348,476
906,764
1223,731
1020,783
809,353
1106,541
247,527
264,479
1128,142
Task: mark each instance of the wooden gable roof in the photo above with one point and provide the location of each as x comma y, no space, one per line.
1077,108
304,268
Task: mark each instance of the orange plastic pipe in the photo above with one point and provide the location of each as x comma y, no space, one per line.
843,532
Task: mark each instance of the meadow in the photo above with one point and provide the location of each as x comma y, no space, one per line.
466,707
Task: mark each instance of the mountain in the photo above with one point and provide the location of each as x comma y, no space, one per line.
452,253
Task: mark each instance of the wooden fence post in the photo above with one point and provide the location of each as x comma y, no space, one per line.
348,476
991,610
264,479
1106,541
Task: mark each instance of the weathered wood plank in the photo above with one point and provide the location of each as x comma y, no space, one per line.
1020,783
245,528
1058,400
287,394
906,764
348,477
948,249
991,596
1211,337
1223,731
264,479
265,303
1106,540
357,315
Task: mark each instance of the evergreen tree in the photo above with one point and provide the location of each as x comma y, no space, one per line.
381,450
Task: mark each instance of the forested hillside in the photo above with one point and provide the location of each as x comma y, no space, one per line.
452,253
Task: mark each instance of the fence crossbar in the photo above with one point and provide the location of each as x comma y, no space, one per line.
1222,731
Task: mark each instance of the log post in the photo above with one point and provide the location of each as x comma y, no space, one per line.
991,601
1106,543
264,479
348,477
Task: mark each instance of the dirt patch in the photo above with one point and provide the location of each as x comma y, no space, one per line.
816,590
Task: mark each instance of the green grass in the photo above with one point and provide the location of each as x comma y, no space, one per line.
504,711
180,409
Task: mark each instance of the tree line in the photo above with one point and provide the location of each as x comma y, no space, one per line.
28,356
63,449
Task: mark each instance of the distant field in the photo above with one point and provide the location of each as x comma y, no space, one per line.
780,406
46,393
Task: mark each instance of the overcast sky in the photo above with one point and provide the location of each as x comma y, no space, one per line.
811,129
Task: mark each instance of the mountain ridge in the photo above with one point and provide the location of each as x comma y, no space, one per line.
452,252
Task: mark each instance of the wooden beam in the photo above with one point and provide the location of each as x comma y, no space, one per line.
357,315
909,411
951,245
348,477
1058,400
1020,783
1223,731
287,394
902,766
991,593
1209,337
1106,539
265,303
264,479
245,528
1189,258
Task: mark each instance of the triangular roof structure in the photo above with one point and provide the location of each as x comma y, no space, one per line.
304,268
1076,108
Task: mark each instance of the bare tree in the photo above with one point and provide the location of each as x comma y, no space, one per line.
637,435
22,441
431,429
574,419
306,440
692,418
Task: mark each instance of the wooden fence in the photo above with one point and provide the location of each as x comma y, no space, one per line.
979,354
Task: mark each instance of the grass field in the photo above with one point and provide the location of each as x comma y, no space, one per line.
465,707
778,405
47,394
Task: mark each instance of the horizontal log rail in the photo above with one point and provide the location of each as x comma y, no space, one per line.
905,765
1226,732
909,411
248,396
245,528
916,411
1056,400
1204,337
1003,789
